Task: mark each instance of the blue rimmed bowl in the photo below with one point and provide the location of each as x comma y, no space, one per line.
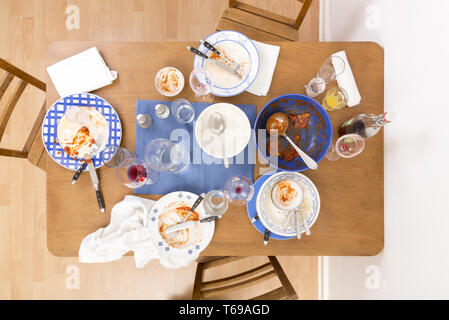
314,140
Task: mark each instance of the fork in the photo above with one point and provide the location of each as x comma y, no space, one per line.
234,65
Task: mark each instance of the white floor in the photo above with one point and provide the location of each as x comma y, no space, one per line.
415,260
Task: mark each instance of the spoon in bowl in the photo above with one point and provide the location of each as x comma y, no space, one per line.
277,125
217,126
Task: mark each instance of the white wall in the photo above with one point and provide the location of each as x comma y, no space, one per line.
415,261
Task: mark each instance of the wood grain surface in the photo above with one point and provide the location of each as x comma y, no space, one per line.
351,190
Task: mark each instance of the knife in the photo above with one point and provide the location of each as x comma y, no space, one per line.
215,61
234,65
95,148
188,224
95,182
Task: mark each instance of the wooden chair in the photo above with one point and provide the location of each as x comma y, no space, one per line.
34,148
241,280
260,24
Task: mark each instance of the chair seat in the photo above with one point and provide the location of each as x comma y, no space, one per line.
256,27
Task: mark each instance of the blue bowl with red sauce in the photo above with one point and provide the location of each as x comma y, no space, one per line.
314,139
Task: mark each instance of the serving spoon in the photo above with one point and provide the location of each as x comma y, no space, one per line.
277,125
217,126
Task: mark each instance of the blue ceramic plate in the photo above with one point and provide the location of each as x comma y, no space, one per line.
315,139
251,207
239,38
273,218
56,112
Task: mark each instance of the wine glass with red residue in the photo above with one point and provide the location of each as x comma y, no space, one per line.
239,190
135,173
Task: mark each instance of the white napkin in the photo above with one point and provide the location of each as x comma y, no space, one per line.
128,231
268,56
347,82
81,73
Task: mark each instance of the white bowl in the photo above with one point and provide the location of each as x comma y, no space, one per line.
181,85
236,134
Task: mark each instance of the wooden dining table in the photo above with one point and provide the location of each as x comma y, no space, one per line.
351,218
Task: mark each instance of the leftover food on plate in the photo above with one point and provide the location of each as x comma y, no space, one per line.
235,53
287,152
173,214
78,130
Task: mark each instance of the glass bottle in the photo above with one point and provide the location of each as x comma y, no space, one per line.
366,125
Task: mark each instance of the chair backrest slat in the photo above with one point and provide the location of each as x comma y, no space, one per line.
271,269
22,75
302,14
10,106
240,285
7,78
237,278
283,278
33,149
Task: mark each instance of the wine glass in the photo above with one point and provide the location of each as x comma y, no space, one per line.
201,83
239,190
112,156
164,155
135,173
215,203
347,146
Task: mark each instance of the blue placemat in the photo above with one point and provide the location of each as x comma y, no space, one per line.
210,174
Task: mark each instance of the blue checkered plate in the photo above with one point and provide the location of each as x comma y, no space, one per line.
173,199
57,111
220,38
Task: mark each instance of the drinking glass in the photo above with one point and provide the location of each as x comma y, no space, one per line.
331,69
113,156
164,155
215,203
334,99
328,72
183,111
347,146
239,190
135,173
201,83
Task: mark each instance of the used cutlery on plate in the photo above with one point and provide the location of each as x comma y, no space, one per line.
304,220
78,172
298,224
95,183
195,205
266,237
277,125
95,148
189,224
233,64
217,126
217,62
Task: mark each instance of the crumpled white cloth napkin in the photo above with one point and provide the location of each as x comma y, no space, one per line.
268,56
81,73
128,231
347,82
